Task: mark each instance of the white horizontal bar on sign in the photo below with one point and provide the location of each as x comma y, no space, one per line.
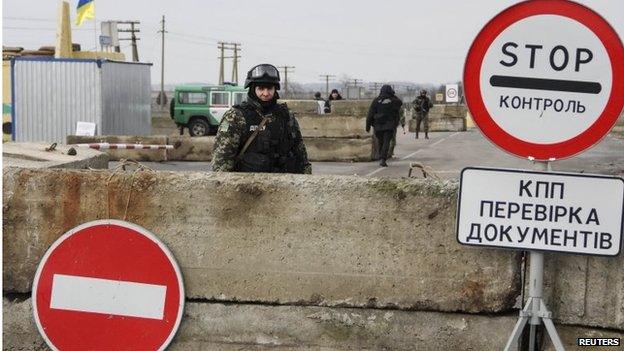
95,295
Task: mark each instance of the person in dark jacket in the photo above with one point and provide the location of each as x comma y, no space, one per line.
334,95
383,116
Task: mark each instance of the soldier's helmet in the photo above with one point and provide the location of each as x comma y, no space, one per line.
423,92
264,73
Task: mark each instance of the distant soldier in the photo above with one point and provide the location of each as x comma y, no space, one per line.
422,105
260,135
383,116
322,104
334,95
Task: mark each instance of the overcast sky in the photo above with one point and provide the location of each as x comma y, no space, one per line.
417,41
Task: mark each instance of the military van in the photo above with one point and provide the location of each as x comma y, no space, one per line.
200,108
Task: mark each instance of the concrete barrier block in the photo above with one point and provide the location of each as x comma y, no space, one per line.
339,149
273,238
301,106
116,155
456,111
190,149
34,155
350,107
447,124
440,124
165,126
586,290
19,331
331,126
215,326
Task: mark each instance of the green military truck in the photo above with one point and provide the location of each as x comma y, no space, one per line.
200,108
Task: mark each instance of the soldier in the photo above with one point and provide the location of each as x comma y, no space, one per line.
383,116
334,95
260,135
422,105
323,106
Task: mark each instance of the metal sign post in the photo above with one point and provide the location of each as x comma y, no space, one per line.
540,211
535,311
543,80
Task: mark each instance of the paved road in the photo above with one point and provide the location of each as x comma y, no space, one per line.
447,154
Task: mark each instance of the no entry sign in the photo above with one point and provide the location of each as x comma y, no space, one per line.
108,285
544,79
563,212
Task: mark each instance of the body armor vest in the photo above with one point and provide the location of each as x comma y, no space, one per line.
272,149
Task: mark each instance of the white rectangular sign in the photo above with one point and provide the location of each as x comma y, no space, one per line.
452,93
85,128
526,210
97,295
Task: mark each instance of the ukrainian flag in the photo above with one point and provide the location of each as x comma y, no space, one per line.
85,11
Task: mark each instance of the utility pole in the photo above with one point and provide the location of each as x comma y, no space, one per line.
133,38
327,77
286,68
162,66
135,51
376,86
235,64
355,85
221,62
228,46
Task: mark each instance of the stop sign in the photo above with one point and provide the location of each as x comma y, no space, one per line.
108,285
544,79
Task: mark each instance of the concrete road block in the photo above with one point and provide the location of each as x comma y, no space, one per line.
440,124
350,107
215,326
283,239
190,149
116,155
339,149
332,126
165,126
586,290
299,107
34,155
443,118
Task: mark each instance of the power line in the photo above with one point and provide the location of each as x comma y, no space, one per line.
195,36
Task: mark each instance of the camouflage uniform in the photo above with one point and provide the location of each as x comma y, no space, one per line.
422,105
234,131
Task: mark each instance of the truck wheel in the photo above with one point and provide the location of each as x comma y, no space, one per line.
198,127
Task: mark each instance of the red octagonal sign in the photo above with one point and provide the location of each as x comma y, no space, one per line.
544,79
108,285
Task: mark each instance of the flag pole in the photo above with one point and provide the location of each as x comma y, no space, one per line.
95,30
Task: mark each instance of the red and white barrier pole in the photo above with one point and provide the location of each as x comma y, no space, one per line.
103,146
